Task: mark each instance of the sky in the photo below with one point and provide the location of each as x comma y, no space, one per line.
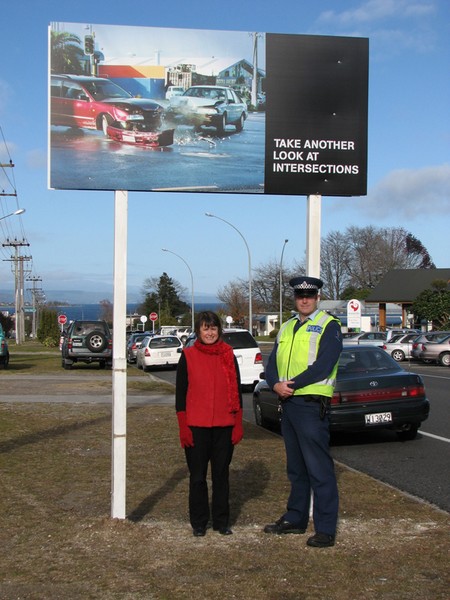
408,149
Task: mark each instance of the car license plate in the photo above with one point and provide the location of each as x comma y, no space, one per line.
378,418
77,343
127,137
164,354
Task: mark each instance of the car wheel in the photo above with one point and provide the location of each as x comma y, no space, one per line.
67,364
240,123
260,420
409,432
223,123
106,120
444,359
5,362
398,355
96,341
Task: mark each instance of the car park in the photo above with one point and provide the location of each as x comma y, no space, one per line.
158,351
134,343
98,103
367,338
424,338
372,392
209,106
88,342
180,331
437,351
400,346
390,333
247,352
4,351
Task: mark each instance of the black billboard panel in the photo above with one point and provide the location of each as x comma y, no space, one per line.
316,115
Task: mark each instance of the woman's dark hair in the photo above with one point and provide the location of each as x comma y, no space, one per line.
207,317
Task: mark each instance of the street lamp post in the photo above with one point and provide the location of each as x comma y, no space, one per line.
281,283
19,211
250,316
192,283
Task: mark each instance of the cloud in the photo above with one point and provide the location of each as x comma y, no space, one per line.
411,194
376,10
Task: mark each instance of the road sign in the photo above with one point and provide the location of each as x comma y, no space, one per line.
143,319
62,319
354,314
153,316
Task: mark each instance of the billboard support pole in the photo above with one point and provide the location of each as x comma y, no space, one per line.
119,374
313,235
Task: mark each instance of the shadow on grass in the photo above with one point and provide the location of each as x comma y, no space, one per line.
166,488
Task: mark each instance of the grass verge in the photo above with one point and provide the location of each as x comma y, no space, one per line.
58,540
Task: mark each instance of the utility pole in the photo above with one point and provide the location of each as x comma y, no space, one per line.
34,292
18,282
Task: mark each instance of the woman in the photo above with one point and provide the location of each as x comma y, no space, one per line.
209,411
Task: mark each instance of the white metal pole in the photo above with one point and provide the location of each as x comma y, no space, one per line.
119,374
192,285
313,236
281,285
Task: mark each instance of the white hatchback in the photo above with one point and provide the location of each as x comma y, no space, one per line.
159,351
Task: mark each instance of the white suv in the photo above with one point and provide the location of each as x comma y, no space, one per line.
246,351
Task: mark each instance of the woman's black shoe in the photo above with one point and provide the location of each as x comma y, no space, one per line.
199,531
224,531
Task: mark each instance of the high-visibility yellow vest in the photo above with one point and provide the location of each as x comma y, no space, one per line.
296,352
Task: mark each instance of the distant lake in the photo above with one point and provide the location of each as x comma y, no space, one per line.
87,312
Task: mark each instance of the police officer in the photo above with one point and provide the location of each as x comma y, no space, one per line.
302,370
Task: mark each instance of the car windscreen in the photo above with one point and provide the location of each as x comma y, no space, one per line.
87,327
105,89
356,361
239,340
167,342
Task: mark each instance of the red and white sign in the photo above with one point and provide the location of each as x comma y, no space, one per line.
354,314
153,316
62,319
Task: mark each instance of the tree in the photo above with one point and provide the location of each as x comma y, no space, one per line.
66,52
434,305
106,311
162,295
236,301
48,332
358,258
7,323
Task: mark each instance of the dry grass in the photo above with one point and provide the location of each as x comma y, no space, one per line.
58,540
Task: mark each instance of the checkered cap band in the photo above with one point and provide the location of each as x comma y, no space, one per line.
305,286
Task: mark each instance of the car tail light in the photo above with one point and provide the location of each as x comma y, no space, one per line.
147,352
258,359
110,344
378,395
384,347
3,345
69,344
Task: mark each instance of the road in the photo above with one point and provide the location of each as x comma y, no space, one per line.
419,467
234,162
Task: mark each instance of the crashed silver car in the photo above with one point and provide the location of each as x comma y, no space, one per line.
208,106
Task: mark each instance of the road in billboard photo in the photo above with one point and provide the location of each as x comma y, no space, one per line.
124,115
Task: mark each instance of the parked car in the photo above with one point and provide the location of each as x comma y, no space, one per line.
174,90
134,343
367,338
247,353
4,351
210,106
390,333
400,346
158,351
372,391
88,342
424,338
181,332
96,103
437,351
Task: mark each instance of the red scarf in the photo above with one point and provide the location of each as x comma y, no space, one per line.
225,352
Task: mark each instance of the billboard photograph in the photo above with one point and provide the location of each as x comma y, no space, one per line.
154,109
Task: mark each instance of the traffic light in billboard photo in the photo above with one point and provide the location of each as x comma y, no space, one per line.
89,44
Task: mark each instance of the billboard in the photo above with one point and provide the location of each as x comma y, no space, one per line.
160,109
